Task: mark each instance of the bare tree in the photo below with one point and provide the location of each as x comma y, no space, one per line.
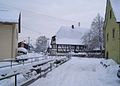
94,38
87,39
41,44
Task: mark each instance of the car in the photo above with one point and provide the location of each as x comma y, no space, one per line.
118,73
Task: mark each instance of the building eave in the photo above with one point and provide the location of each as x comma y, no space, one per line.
118,22
72,44
8,22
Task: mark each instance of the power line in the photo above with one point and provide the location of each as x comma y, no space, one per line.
27,28
38,13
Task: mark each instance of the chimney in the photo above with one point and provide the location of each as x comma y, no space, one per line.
78,24
72,26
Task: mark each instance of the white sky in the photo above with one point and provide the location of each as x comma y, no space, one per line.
45,17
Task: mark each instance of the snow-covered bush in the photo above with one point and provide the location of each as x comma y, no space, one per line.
22,50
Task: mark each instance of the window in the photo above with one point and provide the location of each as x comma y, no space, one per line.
113,33
107,55
110,14
107,36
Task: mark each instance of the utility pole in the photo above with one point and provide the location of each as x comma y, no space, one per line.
28,44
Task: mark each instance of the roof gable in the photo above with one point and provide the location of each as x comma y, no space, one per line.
67,35
116,9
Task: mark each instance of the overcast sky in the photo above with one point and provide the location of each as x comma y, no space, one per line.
45,17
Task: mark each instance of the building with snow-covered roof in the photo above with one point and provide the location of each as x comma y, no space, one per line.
112,30
68,39
9,29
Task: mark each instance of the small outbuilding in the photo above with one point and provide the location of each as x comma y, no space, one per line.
9,29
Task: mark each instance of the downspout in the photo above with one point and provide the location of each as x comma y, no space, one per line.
104,43
12,41
119,43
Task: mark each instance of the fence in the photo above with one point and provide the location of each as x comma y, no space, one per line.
20,61
41,69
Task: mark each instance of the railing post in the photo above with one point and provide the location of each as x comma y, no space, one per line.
15,80
23,61
11,63
51,66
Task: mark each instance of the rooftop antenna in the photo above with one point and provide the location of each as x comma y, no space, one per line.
78,24
72,26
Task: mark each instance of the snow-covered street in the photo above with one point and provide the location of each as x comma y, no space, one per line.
81,72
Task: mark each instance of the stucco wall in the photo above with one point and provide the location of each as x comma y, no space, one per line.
112,45
8,41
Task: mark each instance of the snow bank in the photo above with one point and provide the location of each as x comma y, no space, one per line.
22,49
111,67
109,62
35,56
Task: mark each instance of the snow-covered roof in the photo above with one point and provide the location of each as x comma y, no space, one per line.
67,35
22,49
116,9
96,48
9,16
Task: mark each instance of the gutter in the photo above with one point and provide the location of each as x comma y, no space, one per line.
4,22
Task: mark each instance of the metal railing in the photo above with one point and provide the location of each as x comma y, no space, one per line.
15,62
36,67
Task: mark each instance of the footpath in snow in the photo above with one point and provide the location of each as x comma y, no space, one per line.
81,72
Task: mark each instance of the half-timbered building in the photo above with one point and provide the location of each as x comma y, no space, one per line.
68,39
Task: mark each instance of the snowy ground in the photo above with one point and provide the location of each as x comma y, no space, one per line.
81,72
75,72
